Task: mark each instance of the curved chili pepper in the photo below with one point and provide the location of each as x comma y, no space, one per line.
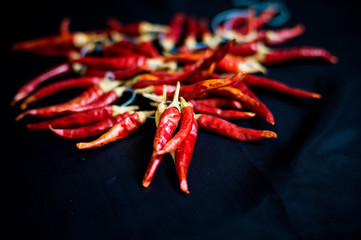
120,130
108,98
82,118
187,118
217,55
219,102
91,130
265,16
256,81
191,34
277,37
86,97
192,91
225,114
231,63
67,53
173,35
287,54
118,74
165,130
30,86
48,90
244,49
183,156
231,130
114,63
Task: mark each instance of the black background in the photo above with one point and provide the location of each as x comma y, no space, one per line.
304,185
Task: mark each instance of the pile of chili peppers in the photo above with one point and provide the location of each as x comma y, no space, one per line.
209,73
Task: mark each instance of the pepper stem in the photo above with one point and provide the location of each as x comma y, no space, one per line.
119,110
175,103
144,114
184,103
161,106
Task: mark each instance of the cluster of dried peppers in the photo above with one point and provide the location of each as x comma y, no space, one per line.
208,72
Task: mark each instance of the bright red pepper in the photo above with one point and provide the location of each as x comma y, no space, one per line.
114,63
277,37
231,130
183,156
82,118
219,102
120,130
118,74
29,87
173,35
50,89
165,130
187,118
191,33
262,82
244,49
90,130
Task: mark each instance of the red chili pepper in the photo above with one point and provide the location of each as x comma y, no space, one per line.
134,29
225,114
120,130
219,102
195,90
77,40
149,49
183,156
156,89
217,55
27,88
265,16
262,82
244,49
50,89
231,130
277,37
67,53
261,109
115,63
287,54
83,99
191,34
187,118
108,98
82,118
91,130
231,64
118,74
173,35
165,130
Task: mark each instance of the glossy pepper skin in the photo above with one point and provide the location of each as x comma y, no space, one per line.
83,99
30,86
90,130
187,117
165,130
231,130
183,156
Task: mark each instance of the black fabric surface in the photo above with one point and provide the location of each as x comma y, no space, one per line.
306,184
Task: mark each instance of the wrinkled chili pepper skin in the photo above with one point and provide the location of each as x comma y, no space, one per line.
120,130
185,128
183,156
48,90
83,99
90,130
166,128
231,130
114,63
262,82
283,55
75,119
29,87
225,114
219,102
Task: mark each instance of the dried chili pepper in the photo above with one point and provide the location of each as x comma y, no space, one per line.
262,82
30,86
183,156
173,35
225,114
118,74
281,55
244,49
136,28
120,130
90,130
88,96
50,89
219,102
191,34
82,118
231,63
165,130
114,63
231,130
187,117
277,37
156,89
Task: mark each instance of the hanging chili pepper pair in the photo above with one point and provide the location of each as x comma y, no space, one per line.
165,141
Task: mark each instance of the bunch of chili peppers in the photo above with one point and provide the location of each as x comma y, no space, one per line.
210,73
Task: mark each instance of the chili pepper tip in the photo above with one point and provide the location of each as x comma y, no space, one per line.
184,186
269,134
